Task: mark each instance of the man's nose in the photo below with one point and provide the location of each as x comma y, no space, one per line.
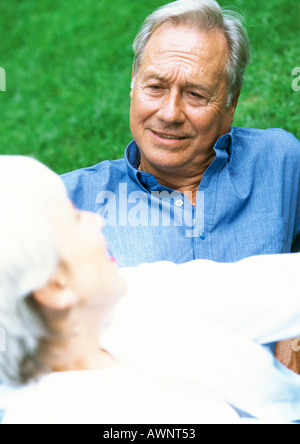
171,108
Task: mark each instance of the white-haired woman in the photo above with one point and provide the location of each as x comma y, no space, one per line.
51,257
58,288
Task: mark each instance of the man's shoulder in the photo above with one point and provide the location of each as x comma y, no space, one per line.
275,142
266,134
84,184
276,135
98,172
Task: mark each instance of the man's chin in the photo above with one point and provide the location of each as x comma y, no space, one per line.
166,161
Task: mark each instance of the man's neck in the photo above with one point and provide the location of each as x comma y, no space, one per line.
185,180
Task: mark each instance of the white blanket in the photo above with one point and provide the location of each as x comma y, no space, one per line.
203,322
188,340
119,395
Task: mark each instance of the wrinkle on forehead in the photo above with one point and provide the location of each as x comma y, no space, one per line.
188,49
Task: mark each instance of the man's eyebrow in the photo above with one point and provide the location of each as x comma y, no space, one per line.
160,78
154,76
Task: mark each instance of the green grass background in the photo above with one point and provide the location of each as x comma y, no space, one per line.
68,68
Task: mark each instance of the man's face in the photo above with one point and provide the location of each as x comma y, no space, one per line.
178,107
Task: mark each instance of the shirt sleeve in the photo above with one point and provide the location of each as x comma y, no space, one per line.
295,174
296,243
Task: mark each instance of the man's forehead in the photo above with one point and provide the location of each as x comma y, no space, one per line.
184,40
184,52
185,46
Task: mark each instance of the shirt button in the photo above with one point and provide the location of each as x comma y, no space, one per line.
179,203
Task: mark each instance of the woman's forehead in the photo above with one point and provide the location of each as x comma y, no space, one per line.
28,177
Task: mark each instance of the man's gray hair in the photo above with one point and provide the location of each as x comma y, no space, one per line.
205,15
28,259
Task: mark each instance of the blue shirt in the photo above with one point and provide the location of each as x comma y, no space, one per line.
247,204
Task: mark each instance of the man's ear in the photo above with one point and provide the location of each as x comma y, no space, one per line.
132,81
57,294
234,103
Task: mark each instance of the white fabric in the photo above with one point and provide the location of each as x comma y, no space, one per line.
200,322
186,338
114,396
258,297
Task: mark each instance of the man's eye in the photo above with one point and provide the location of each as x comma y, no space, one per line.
196,95
156,87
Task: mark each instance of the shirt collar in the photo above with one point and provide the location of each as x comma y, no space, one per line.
133,160
225,142
146,180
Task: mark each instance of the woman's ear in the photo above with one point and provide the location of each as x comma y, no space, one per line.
57,294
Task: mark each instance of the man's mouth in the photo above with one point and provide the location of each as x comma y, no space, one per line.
169,136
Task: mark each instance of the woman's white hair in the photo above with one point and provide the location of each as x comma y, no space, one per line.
28,259
204,15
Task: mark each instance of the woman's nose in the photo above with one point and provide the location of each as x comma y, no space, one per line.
94,219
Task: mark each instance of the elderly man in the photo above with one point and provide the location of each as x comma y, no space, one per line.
58,287
192,186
